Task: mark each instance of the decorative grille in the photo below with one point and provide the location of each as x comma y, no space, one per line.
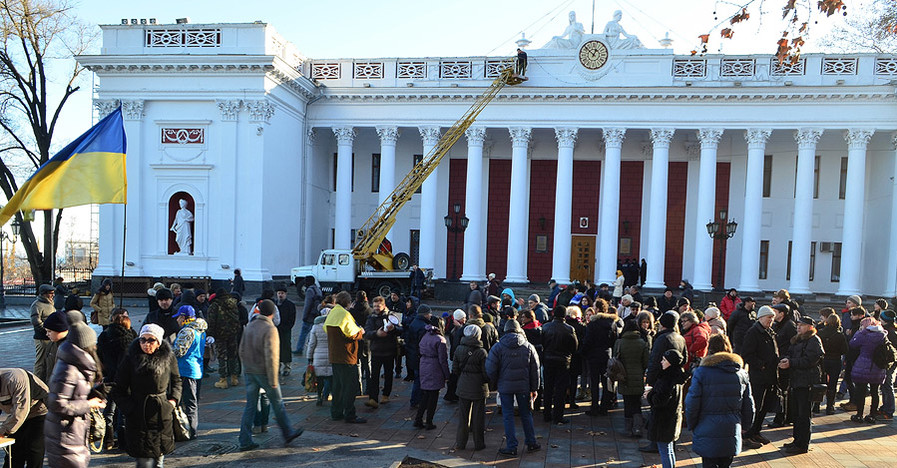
183,136
494,67
183,38
325,71
736,68
787,68
839,66
368,70
411,70
689,68
455,69
886,66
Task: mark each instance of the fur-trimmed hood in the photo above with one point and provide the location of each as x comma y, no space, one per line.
803,336
723,360
611,317
157,362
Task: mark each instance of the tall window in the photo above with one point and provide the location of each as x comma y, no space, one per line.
335,167
816,178
764,258
842,185
812,259
836,262
375,172
796,162
767,175
417,159
788,268
414,251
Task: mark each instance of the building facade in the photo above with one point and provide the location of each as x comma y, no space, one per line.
593,160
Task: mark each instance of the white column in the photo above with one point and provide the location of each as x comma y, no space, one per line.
703,250
429,208
388,138
753,207
803,210
519,206
891,286
473,206
563,205
854,200
342,224
310,256
132,114
657,210
608,213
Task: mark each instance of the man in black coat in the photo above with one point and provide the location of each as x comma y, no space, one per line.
803,359
474,296
668,338
559,342
740,321
761,354
785,330
667,301
383,338
285,328
602,332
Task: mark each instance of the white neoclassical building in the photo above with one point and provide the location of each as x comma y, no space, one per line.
610,151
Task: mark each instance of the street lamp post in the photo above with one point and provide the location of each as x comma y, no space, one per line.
456,224
5,236
722,231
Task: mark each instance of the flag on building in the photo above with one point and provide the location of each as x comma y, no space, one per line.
90,169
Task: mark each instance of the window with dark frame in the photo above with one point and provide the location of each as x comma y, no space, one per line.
812,260
816,177
375,172
417,159
796,162
788,268
842,184
414,251
767,175
764,258
836,262
336,166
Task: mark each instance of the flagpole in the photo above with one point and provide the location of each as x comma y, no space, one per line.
124,241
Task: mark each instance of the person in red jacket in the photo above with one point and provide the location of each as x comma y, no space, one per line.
729,303
696,336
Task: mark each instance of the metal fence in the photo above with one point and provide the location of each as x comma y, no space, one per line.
76,279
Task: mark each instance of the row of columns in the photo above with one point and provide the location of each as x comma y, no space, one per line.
518,232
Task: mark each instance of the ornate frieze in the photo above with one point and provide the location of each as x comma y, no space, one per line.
495,67
325,71
260,110
797,68
736,68
106,106
230,109
182,37
566,136
613,137
430,135
475,136
344,135
389,135
886,66
411,70
132,109
689,68
183,136
367,70
839,66
455,69
858,138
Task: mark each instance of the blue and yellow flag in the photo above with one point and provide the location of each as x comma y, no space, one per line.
90,169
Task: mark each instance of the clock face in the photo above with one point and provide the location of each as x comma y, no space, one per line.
593,55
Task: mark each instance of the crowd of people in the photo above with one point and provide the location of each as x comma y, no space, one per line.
720,370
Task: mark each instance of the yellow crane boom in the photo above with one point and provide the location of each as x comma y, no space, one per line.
373,231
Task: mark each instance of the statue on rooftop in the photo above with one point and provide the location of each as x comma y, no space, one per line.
613,31
573,35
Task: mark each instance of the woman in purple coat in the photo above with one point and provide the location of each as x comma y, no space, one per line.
865,373
434,370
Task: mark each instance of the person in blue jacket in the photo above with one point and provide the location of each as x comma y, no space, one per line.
719,404
188,348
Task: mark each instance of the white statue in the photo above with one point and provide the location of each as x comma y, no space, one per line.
613,31
183,235
574,32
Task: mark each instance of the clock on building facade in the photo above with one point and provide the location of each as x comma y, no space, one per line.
593,55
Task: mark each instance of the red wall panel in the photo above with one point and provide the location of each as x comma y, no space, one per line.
631,182
497,217
723,170
677,188
586,195
454,249
543,182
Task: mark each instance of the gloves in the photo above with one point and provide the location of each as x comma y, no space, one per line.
210,340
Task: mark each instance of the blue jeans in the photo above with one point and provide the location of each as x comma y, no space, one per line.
303,336
526,417
253,383
667,454
887,392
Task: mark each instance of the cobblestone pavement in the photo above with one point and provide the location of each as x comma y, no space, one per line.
389,436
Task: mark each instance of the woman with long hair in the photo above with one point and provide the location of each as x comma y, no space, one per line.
112,345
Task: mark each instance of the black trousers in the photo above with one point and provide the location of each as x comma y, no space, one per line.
716,462
472,421
428,400
800,398
450,393
632,405
377,363
764,398
862,389
598,377
557,379
831,370
28,451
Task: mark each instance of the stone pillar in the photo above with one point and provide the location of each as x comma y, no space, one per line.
310,256
703,250
803,210
891,286
563,205
132,114
429,202
345,136
389,135
753,207
473,206
657,210
608,212
519,206
854,200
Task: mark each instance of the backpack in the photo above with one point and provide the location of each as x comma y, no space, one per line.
884,354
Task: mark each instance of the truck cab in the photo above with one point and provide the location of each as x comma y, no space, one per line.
333,267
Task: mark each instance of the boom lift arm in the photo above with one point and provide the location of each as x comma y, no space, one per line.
373,232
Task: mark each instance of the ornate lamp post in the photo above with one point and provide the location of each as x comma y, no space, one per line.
5,236
722,231
456,224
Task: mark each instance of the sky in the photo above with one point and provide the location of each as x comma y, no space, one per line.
425,28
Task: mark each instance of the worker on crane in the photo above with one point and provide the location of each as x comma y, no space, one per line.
521,63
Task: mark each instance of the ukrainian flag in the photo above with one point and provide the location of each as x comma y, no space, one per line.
90,169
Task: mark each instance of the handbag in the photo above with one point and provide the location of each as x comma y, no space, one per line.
97,430
95,317
817,392
181,425
310,380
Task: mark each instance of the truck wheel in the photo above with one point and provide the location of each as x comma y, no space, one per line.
386,288
401,262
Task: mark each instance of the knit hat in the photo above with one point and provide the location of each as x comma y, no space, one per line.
888,315
669,319
424,310
74,302
185,311
153,330
57,321
266,307
855,299
711,312
535,298
163,294
153,290
764,311
82,336
674,357
807,320
200,292
281,287
511,326
459,315
473,330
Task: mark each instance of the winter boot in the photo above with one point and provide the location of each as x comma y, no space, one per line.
234,381
221,383
637,425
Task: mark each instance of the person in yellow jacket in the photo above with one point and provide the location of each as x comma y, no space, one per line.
103,303
343,336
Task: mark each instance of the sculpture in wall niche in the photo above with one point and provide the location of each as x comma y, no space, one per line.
616,36
183,234
571,38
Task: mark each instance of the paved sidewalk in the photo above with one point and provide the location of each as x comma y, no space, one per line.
389,436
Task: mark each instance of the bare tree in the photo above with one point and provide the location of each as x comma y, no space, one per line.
868,30
39,38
